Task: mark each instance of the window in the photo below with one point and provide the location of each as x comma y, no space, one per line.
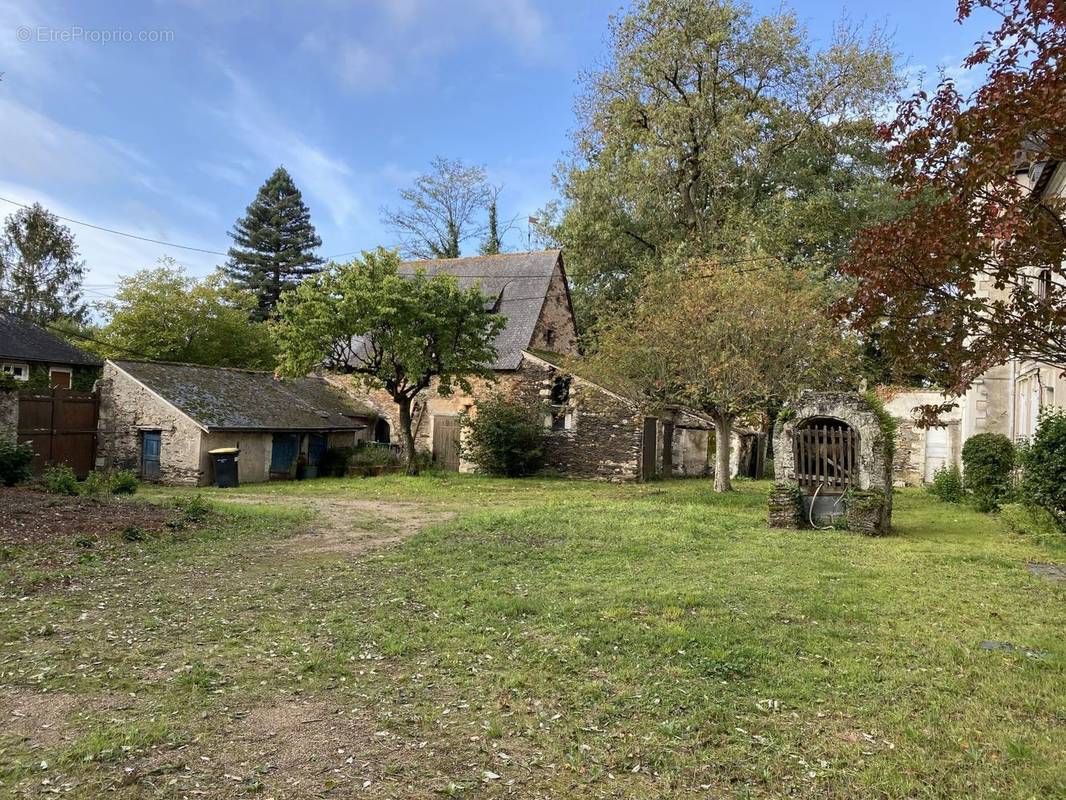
562,417
1043,284
20,372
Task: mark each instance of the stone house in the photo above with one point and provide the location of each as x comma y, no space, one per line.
42,360
162,420
590,430
1007,398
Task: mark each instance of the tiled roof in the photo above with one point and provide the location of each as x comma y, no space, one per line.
516,283
218,398
25,341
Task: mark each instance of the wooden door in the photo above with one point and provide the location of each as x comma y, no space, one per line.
446,442
668,449
151,451
59,379
61,426
283,451
649,449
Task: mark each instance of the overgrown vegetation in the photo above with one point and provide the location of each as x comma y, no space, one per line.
60,479
1043,461
504,437
988,464
947,484
15,462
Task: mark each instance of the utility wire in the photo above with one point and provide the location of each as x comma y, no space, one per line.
144,238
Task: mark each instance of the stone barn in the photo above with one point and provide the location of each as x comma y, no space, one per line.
590,430
162,420
833,463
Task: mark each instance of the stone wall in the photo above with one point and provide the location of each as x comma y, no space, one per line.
9,415
126,409
873,475
910,457
602,440
555,330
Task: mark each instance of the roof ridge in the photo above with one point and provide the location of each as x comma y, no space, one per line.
190,364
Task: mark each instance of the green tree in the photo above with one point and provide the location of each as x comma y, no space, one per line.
504,437
491,246
715,133
40,273
274,243
440,210
401,333
163,314
724,341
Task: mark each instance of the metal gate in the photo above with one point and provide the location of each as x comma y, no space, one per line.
61,426
446,442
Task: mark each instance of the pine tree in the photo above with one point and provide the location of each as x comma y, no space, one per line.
40,272
274,243
491,245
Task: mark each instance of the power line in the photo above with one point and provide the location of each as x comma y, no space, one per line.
146,238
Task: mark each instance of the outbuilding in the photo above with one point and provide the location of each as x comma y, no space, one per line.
163,420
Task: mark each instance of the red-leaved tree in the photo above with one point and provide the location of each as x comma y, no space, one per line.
971,273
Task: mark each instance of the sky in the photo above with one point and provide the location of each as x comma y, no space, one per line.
161,118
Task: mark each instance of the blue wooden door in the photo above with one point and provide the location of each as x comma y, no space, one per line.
283,452
316,449
151,445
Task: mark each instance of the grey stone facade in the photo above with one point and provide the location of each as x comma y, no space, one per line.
869,500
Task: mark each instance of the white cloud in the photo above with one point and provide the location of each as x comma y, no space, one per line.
405,38
323,177
108,256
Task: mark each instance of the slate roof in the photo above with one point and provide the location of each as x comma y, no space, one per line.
221,399
23,341
515,283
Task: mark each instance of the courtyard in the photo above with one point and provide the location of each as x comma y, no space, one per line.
460,636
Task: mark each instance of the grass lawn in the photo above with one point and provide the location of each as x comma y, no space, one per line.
548,639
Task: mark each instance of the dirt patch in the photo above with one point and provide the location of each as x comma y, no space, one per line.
39,719
1053,572
31,517
353,527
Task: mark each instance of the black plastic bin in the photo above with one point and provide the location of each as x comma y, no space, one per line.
225,460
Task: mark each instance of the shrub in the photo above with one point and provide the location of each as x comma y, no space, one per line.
335,461
14,462
94,484
988,461
60,479
1044,466
132,533
947,484
195,509
504,438
373,456
124,481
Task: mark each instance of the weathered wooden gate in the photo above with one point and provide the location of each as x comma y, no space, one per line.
61,426
446,442
649,449
826,457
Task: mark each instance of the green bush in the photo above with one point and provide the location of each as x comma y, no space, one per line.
1044,466
133,533
373,456
94,484
60,479
504,438
335,461
988,463
123,481
14,462
947,484
195,509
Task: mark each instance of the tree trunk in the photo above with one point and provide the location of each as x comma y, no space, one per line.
408,435
723,430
